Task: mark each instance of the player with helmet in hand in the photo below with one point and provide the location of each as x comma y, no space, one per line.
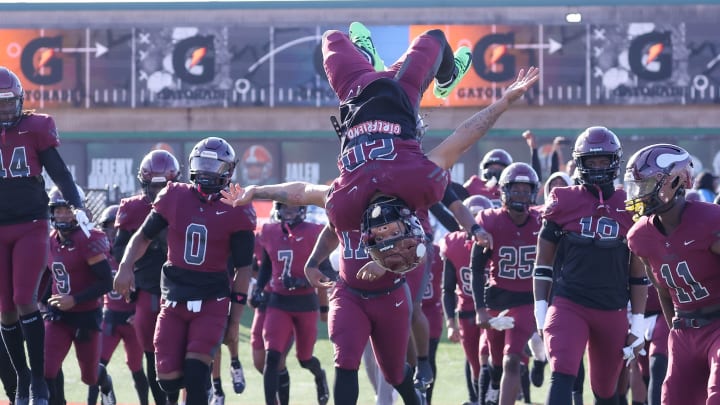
28,143
293,305
157,168
514,229
582,255
491,166
679,243
117,318
202,234
81,274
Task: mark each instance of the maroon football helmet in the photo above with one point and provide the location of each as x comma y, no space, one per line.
57,200
106,221
495,156
597,141
399,253
156,169
655,175
11,98
212,163
477,203
518,173
289,214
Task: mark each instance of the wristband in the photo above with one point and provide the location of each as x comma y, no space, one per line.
238,298
324,309
541,307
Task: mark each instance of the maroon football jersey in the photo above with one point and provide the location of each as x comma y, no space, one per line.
577,210
682,262
477,186
456,247
132,212
199,232
394,167
353,257
432,296
22,144
68,263
114,301
513,255
289,252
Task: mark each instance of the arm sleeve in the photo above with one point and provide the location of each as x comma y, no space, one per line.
242,244
102,286
449,283
265,271
154,223
535,160
444,217
121,240
59,173
478,261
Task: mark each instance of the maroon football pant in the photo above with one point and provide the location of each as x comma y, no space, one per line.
179,331
384,319
470,339
58,338
693,374
133,351
433,313
24,250
256,330
569,327
147,309
513,340
279,328
348,70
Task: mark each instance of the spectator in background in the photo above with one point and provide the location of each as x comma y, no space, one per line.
706,184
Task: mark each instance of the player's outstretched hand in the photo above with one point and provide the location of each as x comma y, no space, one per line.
317,279
370,271
524,81
237,195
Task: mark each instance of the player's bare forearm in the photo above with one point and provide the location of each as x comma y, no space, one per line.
638,293
135,249
326,242
663,296
462,215
464,137
240,284
293,193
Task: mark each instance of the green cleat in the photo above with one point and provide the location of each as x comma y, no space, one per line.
463,60
360,37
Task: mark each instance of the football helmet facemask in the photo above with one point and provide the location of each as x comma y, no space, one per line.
655,175
212,163
404,249
518,173
67,223
11,98
156,169
494,156
289,214
597,141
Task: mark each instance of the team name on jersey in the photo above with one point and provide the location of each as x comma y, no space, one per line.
374,127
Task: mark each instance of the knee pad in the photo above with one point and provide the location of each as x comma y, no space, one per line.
195,372
171,386
613,400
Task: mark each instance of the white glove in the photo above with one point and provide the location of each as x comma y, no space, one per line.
85,224
629,352
170,304
541,307
502,322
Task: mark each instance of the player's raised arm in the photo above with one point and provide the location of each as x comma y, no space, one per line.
294,193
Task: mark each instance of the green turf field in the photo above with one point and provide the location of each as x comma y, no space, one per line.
449,389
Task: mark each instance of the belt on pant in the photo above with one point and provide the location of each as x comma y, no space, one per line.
691,323
366,295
